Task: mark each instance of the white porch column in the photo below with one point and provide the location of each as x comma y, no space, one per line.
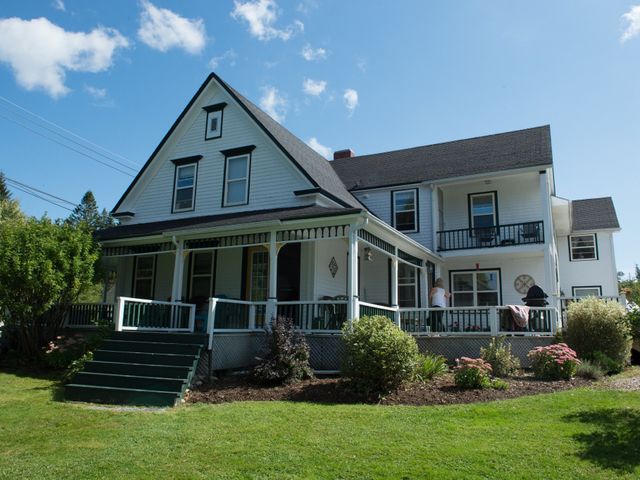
272,298
435,216
424,286
549,263
178,272
353,307
394,282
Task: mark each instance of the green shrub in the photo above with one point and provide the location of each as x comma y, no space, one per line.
430,366
595,325
499,384
606,363
75,367
498,355
634,321
472,373
66,349
590,370
379,357
555,362
287,360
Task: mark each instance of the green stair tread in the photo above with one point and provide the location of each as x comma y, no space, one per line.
139,364
98,374
153,343
122,389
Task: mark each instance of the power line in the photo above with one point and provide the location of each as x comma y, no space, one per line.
72,140
67,146
137,165
24,185
41,197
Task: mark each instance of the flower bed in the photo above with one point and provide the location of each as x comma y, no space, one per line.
555,362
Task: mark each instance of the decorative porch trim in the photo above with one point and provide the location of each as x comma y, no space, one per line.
128,250
243,240
409,258
312,233
376,241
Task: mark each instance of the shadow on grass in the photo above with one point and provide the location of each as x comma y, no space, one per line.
615,441
39,372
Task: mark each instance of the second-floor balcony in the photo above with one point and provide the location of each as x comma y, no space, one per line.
526,233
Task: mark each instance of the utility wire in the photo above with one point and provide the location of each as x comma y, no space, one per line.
67,146
24,185
136,165
41,197
72,141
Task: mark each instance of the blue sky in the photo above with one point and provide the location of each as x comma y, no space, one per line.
371,76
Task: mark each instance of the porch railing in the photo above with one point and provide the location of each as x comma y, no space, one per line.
498,236
325,315
226,314
142,314
370,309
89,315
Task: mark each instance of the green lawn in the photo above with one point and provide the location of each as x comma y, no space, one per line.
575,434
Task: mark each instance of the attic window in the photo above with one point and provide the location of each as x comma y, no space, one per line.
184,183
213,127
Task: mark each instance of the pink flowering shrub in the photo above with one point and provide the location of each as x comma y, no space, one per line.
472,373
64,350
555,362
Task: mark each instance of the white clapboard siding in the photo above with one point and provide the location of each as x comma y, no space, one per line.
518,200
273,178
379,203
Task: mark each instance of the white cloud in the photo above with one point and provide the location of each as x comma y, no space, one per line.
59,5
261,16
310,54
632,17
95,92
40,52
318,147
350,99
313,87
162,29
306,6
273,103
229,56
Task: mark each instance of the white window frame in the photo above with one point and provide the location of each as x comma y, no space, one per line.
193,187
136,277
475,285
472,217
217,114
414,192
572,248
574,291
409,284
225,202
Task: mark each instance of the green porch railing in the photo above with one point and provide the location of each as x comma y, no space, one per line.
84,315
326,315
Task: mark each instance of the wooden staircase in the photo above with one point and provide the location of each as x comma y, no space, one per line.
139,368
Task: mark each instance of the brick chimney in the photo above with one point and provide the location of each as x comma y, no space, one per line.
346,153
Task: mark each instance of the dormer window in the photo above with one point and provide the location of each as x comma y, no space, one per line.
213,127
184,185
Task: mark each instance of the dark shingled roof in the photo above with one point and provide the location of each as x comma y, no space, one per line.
593,214
491,153
211,221
313,165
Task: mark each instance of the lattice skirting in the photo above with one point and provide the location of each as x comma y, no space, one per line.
239,350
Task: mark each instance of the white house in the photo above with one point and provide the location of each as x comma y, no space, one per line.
233,221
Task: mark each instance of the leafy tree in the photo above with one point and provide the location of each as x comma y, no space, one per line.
9,207
87,213
631,287
44,266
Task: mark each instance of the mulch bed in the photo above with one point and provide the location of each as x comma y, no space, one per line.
440,391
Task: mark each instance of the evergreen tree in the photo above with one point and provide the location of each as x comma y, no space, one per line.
9,208
86,212
5,194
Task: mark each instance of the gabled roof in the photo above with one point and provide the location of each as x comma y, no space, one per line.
490,153
593,214
311,164
212,221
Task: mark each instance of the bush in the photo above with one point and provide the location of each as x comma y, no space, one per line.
634,322
499,384
76,366
64,350
430,366
287,360
607,364
596,325
555,362
379,357
589,370
498,355
472,373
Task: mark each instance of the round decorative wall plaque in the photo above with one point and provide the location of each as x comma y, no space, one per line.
523,283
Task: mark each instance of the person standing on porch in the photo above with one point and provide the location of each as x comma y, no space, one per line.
439,297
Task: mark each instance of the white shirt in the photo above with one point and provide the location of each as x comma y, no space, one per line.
438,298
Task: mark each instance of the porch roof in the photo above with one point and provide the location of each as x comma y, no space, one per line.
211,221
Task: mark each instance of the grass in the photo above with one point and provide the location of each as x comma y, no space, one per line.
584,433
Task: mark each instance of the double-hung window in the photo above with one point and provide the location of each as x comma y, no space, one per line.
583,247
405,210
202,265
407,285
475,288
483,211
237,171
184,188
143,276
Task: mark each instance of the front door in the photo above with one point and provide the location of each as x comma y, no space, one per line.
257,274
